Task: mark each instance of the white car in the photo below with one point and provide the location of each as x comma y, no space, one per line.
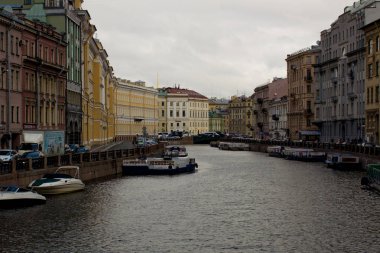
7,155
163,135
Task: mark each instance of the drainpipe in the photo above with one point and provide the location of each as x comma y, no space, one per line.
9,81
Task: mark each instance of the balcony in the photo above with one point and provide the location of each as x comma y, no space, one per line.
308,79
352,95
308,112
275,117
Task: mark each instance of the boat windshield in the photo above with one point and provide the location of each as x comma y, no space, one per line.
57,175
9,189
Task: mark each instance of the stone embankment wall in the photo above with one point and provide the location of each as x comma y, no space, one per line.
92,165
367,155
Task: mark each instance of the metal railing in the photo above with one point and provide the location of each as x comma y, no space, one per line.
21,165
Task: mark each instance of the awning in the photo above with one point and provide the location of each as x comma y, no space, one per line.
310,132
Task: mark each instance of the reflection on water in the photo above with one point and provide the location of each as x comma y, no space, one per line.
236,202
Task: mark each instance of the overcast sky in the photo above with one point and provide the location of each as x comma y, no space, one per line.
218,48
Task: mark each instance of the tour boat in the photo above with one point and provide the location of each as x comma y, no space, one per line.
58,183
275,151
175,160
13,197
342,161
372,180
297,153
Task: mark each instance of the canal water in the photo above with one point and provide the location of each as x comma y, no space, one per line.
236,202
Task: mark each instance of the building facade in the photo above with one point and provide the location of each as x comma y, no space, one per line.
301,90
369,17
340,73
218,115
37,81
136,109
183,110
240,115
260,123
11,29
278,109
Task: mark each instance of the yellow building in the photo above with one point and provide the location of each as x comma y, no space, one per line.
240,115
218,115
301,90
372,105
183,110
136,109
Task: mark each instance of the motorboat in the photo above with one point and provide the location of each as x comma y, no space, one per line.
175,160
13,197
58,183
175,151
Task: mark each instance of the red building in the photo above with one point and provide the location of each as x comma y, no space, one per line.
32,96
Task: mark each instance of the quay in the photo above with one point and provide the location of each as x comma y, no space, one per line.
102,164
93,165
367,154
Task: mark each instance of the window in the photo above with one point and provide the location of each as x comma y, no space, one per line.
377,68
162,103
17,114
177,114
12,52
370,70
377,43
12,114
163,113
2,41
17,45
184,113
171,113
370,47
177,124
2,113
27,1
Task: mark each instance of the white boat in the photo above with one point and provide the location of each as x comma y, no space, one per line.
175,160
342,161
13,196
58,183
296,153
276,151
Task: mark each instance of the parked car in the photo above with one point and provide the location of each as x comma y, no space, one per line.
34,155
163,135
81,149
8,155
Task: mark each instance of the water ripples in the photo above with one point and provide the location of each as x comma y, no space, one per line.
236,202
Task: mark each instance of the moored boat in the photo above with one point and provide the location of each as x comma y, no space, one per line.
14,197
275,151
175,160
342,161
58,183
297,153
372,179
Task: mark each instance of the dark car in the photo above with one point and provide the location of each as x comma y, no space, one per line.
35,156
